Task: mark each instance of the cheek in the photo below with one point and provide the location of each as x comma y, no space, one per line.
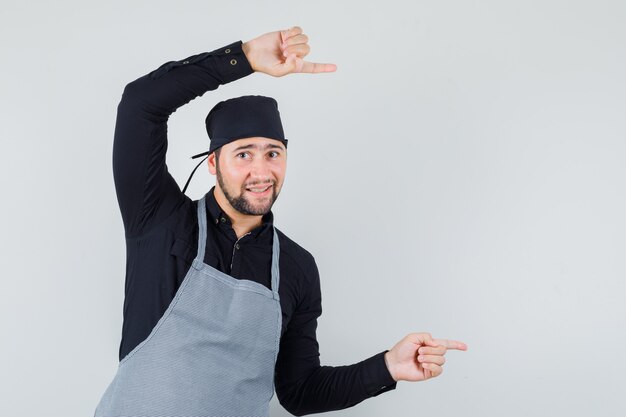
280,170
232,180
280,177
236,174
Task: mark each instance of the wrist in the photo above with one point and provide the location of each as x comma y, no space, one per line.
247,51
389,364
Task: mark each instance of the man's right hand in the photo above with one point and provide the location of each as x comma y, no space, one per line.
418,357
280,53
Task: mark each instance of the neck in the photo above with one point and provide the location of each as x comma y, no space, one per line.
242,223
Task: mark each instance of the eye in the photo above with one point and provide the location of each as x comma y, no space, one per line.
274,154
242,153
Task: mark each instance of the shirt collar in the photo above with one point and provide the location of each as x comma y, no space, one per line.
217,214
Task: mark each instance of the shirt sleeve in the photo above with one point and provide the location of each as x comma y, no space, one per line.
146,192
303,386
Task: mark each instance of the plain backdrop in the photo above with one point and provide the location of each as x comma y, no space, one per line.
461,173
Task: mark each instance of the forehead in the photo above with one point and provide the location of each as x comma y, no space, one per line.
254,142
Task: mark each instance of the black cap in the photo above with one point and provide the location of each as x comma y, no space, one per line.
244,117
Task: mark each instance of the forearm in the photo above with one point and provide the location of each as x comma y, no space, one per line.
328,388
175,83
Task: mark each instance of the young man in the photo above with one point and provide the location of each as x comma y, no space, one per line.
220,306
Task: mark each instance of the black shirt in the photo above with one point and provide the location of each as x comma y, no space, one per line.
161,231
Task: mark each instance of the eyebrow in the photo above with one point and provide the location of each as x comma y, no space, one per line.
251,145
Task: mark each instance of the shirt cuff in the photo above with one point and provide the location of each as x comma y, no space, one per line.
376,376
232,62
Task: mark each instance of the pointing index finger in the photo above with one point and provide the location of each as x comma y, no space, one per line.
313,67
451,344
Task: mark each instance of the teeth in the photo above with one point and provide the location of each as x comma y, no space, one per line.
258,190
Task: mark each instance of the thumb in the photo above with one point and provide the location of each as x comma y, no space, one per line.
291,63
420,339
430,342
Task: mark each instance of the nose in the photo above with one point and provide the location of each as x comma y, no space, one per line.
260,171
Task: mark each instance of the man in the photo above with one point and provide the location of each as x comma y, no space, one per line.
220,306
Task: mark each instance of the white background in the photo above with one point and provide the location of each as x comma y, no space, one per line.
461,173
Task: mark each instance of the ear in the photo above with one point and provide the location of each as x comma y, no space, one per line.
211,163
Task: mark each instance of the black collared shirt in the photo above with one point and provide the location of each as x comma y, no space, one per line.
247,257
161,231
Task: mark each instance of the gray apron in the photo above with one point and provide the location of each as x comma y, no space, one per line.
212,353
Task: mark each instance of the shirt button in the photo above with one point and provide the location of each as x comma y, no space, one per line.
223,220
237,245
233,61
217,221
227,51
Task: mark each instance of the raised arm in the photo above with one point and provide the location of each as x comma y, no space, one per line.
146,191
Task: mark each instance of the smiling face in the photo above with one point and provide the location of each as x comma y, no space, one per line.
250,173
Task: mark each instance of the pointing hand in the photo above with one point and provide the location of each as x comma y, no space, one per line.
418,357
280,53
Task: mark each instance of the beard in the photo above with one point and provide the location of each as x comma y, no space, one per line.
241,203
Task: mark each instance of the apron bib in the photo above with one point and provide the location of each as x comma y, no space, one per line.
212,353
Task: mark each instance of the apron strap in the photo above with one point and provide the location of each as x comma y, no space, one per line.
275,263
202,232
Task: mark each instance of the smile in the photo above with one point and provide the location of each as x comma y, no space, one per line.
260,191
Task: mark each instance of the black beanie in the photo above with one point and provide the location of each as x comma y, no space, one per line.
244,117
